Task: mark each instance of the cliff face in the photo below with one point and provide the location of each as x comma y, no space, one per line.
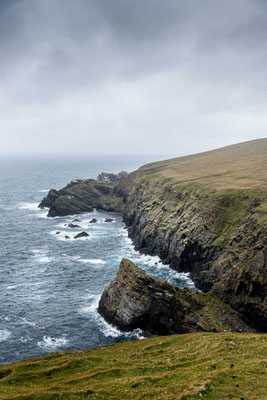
209,221
204,213
136,300
81,196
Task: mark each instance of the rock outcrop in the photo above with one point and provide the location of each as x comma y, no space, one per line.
81,234
105,177
81,196
199,216
205,214
136,300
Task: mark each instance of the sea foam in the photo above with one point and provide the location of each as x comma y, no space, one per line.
50,342
4,335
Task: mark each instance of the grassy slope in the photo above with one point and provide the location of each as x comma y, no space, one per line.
240,166
192,366
227,182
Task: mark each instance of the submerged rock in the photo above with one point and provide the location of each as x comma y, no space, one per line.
108,219
67,237
136,300
80,235
93,221
73,225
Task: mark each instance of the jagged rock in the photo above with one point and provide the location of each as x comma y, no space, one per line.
80,235
136,300
111,178
58,232
76,220
93,221
67,237
73,225
108,219
212,225
81,196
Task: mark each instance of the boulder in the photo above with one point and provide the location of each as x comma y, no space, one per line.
80,235
136,300
93,221
108,219
58,232
73,225
67,237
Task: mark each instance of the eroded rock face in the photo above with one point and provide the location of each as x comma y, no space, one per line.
81,196
111,178
136,300
220,238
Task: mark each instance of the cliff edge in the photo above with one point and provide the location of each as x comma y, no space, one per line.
136,300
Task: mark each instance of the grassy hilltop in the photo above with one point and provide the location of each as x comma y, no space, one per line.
239,166
193,366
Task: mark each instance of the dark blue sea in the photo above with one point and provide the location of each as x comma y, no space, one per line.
50,286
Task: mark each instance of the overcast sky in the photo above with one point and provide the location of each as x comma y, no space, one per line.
166,77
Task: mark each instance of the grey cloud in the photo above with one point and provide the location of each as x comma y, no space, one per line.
132,74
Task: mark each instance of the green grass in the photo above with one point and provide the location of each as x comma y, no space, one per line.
192,366
240,166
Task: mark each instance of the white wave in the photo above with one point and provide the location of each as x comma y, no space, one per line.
4,318
50,342
40,213
27,322
106,329
4,335
45,259
11,287
37,251
29,206
40,255
44,191
91,261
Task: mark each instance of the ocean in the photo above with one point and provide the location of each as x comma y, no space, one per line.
49,285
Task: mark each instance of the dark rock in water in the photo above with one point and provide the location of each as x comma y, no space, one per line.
76,220
93,221
67,237
49,199
58,232
80,196
136,300
108,220
73,225
66,205
80,235
111,178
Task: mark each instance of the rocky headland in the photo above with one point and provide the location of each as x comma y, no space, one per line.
82,195
205,214
136,300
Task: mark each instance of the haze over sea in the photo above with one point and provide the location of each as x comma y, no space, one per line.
49,285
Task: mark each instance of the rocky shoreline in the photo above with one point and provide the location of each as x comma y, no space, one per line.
136,300
219,236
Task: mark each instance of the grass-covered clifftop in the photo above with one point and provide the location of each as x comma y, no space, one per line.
207,213
192,366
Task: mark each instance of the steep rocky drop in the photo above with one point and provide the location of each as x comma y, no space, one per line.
136,300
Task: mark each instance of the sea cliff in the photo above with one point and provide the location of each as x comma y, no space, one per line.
205,214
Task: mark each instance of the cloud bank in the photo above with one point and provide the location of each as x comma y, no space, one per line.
124,76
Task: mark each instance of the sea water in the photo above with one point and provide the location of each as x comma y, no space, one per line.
49,285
